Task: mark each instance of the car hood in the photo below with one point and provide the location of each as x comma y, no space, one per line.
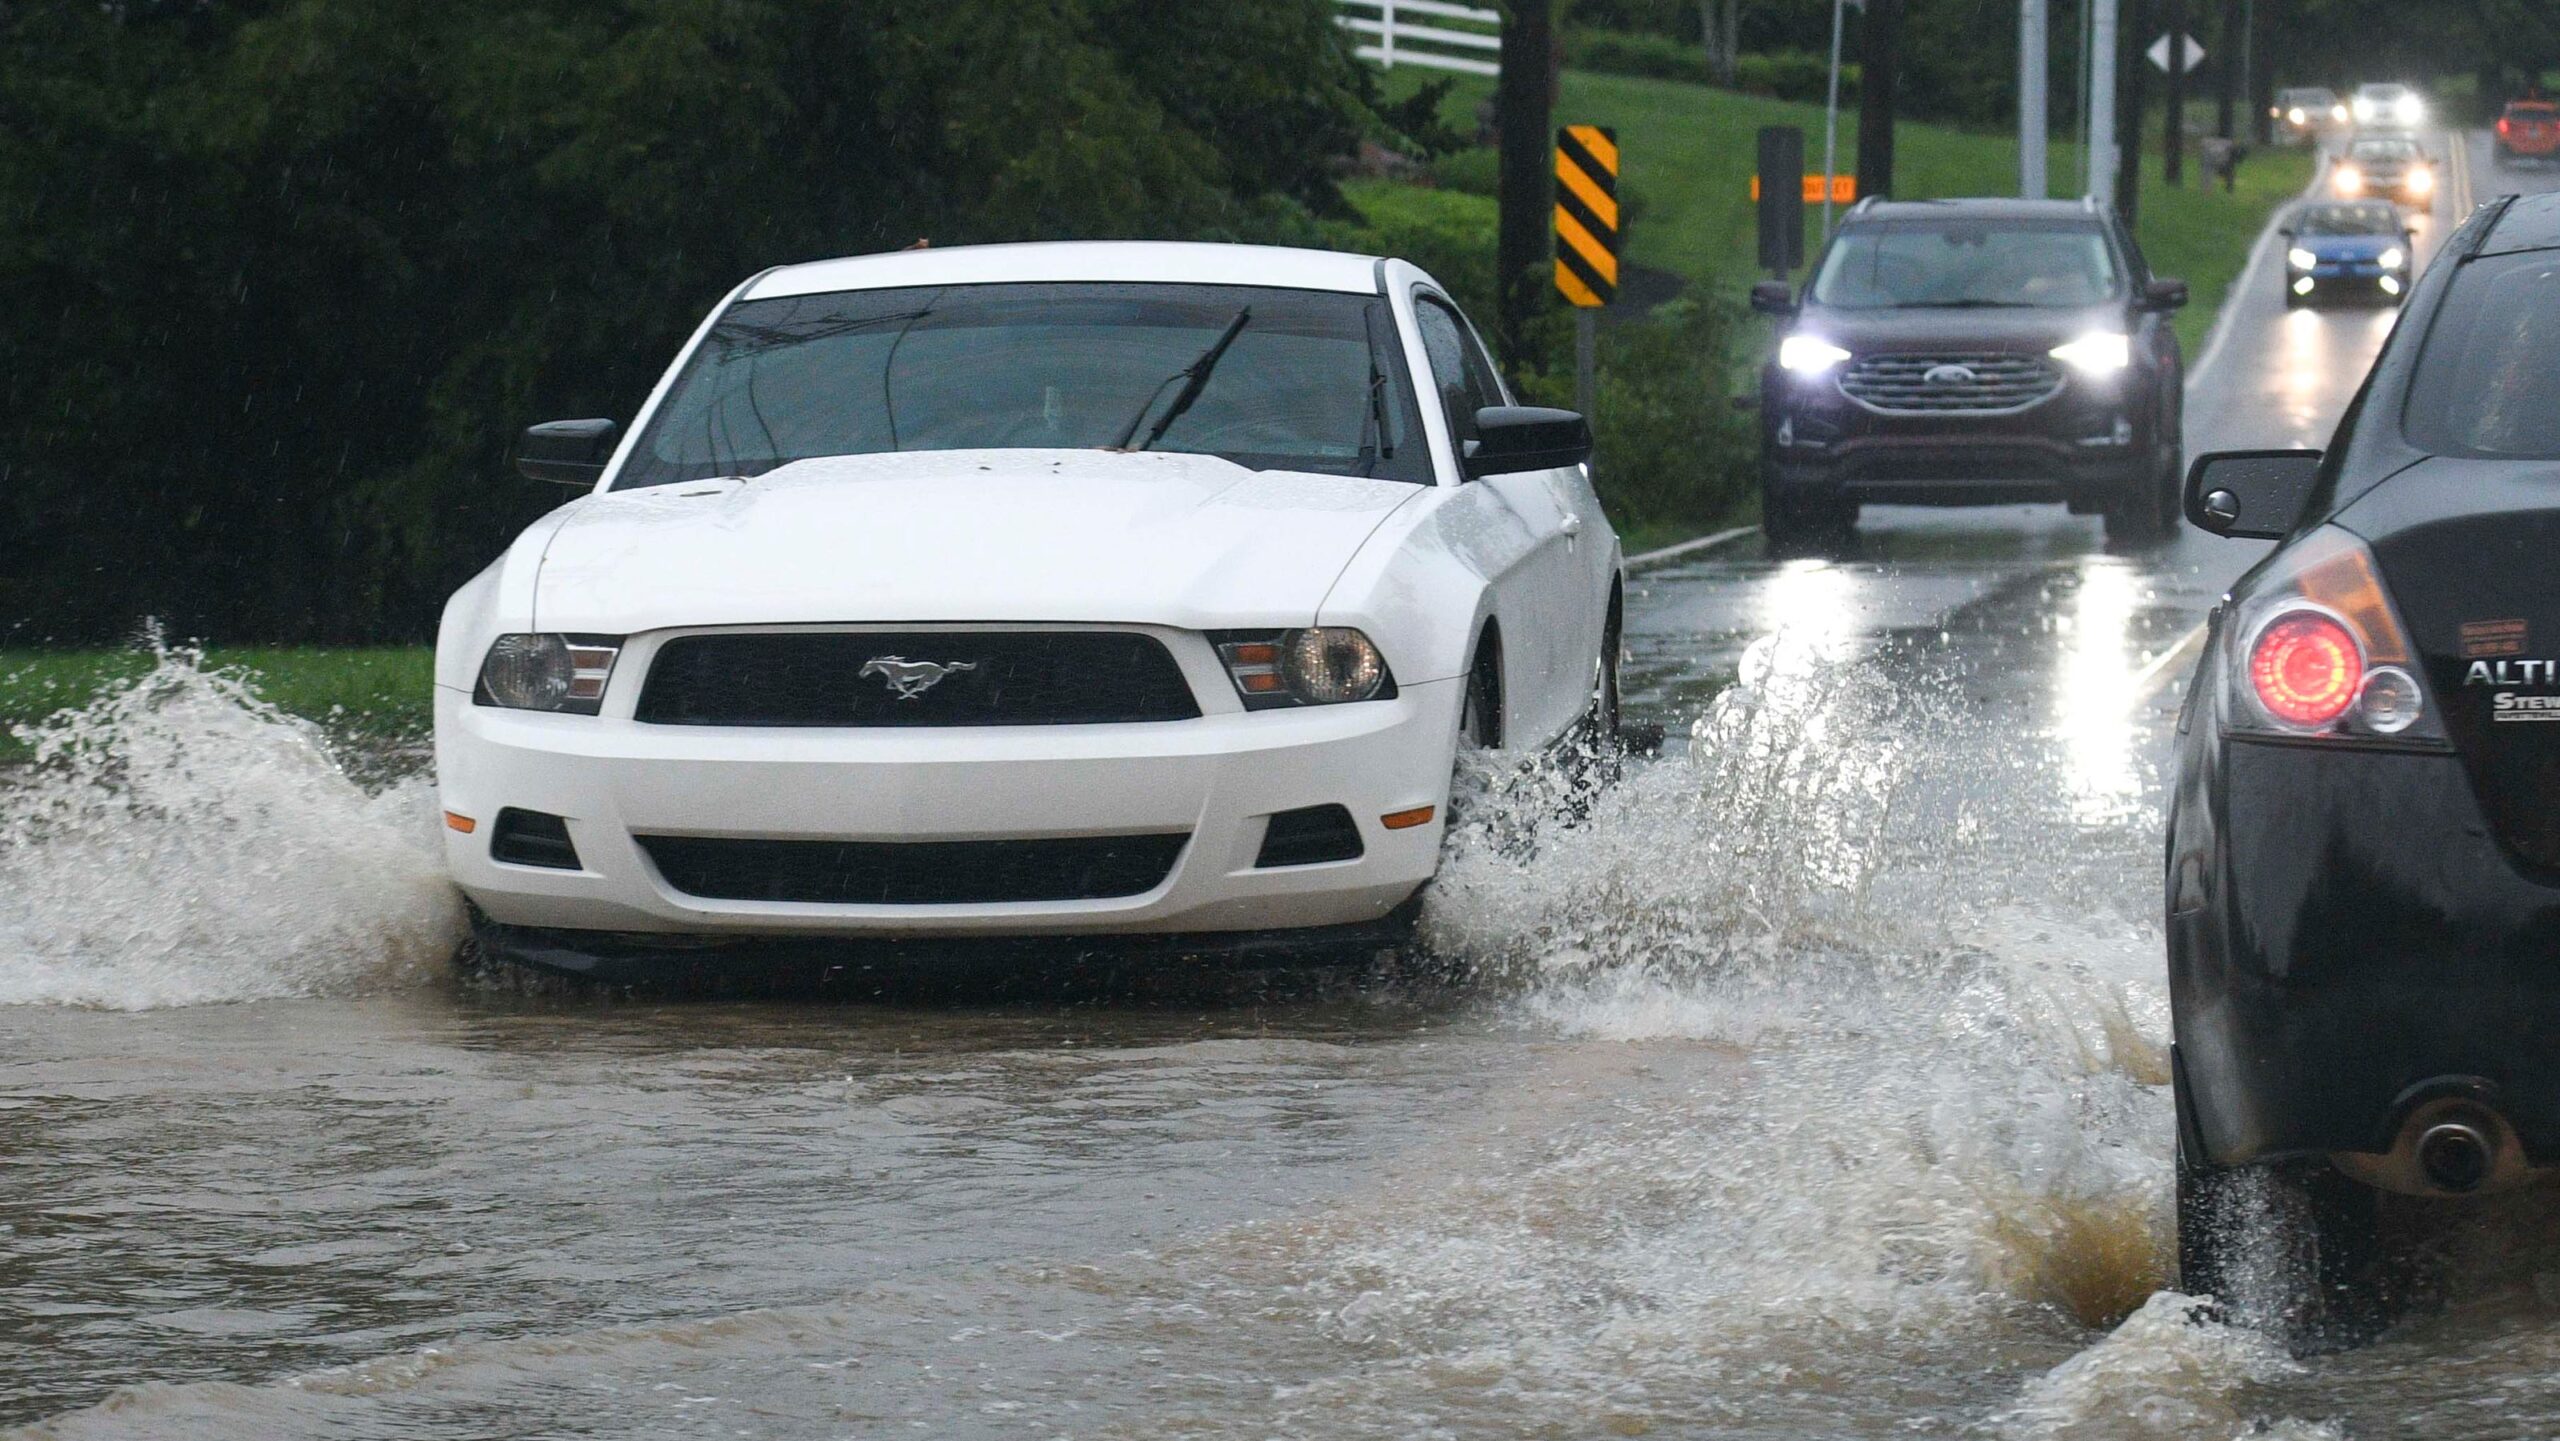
2347,247
1010,535
2034,328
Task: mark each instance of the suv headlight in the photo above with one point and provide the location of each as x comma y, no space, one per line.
1316,665
2101,352
1806,355
563,673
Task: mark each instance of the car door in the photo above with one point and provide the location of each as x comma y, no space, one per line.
1524,539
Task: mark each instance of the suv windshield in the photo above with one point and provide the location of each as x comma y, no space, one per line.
1952,262
2362,218
1304,380
2486,385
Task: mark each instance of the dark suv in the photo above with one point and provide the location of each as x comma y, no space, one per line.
1973,352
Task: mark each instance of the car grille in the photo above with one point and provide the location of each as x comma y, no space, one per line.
915,873
842,678
1992,381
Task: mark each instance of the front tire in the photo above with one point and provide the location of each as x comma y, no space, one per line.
2148,509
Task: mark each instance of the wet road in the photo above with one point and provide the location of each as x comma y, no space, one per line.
1813,1086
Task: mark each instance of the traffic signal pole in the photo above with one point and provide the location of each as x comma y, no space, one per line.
2101,119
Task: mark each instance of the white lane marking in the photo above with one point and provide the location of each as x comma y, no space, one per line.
2163,668
1704,542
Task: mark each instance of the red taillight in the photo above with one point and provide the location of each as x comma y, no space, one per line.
2503,124
2306,668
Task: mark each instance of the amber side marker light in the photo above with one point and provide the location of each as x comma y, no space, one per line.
456,822
1407,820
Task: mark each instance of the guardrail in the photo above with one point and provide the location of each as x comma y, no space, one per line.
1397,40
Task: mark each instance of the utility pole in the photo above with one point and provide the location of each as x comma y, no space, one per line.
2128,68
2102,101
2034,114
2173,138
1524,102
1879,60
2233,69
1831,118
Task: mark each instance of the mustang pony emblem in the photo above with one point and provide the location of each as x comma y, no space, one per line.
909,679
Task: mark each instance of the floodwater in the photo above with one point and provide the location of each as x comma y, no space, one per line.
1811,1084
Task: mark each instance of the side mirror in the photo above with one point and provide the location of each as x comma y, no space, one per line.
1773,297
566,452
1511,438
2168,294
2285,230
2250,494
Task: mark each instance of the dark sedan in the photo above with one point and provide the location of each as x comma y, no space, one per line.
2363,869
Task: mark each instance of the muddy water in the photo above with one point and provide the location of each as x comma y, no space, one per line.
1809,1085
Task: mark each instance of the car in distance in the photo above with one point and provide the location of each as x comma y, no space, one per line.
2385,167
2386,105
1972,352
2339,248
2305,112
2528,130
1086,590
2363,862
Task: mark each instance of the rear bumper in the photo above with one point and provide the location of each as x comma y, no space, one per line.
1217,779
2366,944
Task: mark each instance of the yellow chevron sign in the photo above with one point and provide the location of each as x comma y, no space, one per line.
1587,214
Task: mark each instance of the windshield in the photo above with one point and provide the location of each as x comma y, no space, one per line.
2485,383
2346,220
2383,150
1956,262
2383,93
1304,380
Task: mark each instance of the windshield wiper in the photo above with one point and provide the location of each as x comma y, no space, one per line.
1198,373
1969,304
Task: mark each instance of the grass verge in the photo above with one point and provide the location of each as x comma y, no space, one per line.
379,696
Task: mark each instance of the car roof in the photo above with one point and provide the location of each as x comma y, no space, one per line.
2378,87
1977,208
2532,105
2306,90
2525,222
1168,262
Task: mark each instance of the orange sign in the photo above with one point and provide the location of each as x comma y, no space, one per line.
1844,189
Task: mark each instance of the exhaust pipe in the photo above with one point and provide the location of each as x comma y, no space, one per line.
2455,1157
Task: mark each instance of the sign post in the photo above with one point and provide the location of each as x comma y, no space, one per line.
1779,190
1587,241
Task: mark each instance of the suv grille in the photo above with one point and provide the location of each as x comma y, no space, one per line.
1989,381
915,873
842,678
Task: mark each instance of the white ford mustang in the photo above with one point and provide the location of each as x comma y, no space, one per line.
1032,590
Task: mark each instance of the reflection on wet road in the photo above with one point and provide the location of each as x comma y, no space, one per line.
1813,1084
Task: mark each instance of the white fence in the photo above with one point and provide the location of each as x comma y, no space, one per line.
1451,37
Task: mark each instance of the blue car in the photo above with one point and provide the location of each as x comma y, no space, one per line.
2336,249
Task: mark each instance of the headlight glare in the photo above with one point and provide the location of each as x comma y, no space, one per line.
2392,259
2102,352
1806,355
2349,180
2422,180
546,672
2301,259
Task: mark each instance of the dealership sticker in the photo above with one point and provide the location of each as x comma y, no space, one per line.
2491,638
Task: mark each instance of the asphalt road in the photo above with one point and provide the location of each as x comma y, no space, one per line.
1809,1083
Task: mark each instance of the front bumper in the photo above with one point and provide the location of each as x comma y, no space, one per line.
2347,277
2366,943
1219,778
2087,444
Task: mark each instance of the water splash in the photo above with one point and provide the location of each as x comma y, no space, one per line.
178,841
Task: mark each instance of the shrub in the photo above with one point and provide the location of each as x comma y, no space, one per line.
1669,448
1784,74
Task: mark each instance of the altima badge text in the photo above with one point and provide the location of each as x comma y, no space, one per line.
909,679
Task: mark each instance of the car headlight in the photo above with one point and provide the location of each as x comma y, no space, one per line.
2392,259
2101,352
2300,259
1805,355
2338,113
2294,115
2349,179
1318,665
2364,110
2412,110
564,673
2421,180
